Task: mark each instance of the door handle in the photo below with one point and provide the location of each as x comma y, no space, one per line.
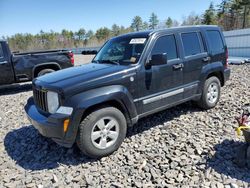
178,66
206,59
3,62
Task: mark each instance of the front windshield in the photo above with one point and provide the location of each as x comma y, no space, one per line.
121,50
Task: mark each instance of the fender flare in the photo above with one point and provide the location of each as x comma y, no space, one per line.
83,101
209,69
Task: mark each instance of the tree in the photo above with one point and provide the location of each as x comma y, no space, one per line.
245,5
145,26
81,33
209,17
115,30
137,23
192,19
102,34
169,22
67,34
234,14
89,34
176,23
225,14
153,21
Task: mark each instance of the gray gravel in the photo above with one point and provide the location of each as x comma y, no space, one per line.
180,147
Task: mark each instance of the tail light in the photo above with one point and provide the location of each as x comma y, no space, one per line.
72,60
226,65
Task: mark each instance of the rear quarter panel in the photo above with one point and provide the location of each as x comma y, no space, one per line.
24,64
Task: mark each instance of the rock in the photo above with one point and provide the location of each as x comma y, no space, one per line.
30,185
153,173
195,178
219,185
77,178
233,185
54,179
180,178
9,185
144,163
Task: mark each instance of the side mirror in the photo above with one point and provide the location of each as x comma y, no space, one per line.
157,59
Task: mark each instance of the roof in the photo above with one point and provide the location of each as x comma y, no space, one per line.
180,28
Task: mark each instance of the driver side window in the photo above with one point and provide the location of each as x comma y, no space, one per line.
166,44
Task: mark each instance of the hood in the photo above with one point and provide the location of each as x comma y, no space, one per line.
77,79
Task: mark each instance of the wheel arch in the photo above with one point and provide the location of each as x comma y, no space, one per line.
217,74
110,103
50,65
86,102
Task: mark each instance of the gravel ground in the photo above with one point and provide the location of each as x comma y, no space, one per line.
179,147
81,59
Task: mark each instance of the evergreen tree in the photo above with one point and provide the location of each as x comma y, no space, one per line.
102,34
169,22
145,26
115,30
136,24
81,33
209,17
153,21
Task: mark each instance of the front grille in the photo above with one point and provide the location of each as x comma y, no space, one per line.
40,98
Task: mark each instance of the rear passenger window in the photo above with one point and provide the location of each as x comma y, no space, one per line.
192,43
166,44
215,41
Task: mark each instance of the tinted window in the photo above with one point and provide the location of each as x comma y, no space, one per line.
1,51
166,44
191,43
215,41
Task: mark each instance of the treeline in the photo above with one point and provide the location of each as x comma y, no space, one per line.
229,14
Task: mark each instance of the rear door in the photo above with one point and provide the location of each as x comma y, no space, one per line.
217,47
6,73
195,57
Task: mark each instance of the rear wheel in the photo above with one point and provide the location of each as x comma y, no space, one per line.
210,94
102,132
45,71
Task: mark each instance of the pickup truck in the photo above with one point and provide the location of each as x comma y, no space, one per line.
132,76
21,67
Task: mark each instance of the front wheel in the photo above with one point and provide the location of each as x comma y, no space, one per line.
211,93
102,132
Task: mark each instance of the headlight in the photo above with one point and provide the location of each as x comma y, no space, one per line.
53,101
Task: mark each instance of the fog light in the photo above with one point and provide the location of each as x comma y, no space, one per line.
65,125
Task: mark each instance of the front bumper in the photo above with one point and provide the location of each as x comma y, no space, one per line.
51,126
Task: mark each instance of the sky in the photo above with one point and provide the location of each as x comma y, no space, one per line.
31,16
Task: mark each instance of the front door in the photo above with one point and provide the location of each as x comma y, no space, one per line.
161,85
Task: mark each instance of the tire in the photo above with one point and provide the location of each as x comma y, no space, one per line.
210,93
45,71
91,138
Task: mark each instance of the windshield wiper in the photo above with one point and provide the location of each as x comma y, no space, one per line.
111,62
95,61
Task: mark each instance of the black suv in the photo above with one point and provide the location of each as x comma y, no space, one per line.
132,76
